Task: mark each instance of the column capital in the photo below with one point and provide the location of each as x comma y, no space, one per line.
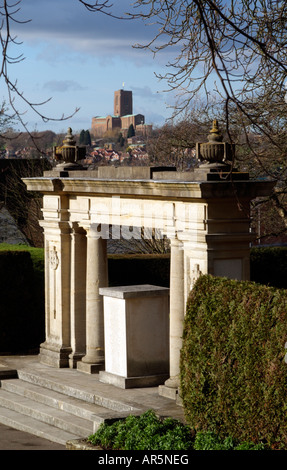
175,242
63,226
77,228
95,230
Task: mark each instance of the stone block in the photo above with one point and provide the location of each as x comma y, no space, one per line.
134,172
136,325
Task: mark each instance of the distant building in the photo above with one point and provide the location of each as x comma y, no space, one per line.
123,103
122,118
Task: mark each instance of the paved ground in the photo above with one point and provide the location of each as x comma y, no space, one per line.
12,439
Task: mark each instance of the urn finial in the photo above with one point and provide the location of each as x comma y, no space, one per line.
215,135
215,151
69,152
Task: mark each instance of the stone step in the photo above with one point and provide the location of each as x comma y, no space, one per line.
40,404
64,405
7,373
32,426
94,395
46,414
80,408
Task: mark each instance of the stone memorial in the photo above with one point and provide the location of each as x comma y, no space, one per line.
205,214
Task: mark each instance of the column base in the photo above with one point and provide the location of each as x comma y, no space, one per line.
54,355
168,392
131,382
170,389
90,368
74,358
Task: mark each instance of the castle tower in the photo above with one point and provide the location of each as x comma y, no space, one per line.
123,103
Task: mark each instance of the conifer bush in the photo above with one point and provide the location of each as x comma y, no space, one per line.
22,314
275,257
233,373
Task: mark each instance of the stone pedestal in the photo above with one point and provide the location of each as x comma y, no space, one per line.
136,336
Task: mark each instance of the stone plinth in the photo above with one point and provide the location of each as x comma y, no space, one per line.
136,324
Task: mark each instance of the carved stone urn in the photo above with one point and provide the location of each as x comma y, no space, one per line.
214,151
69,152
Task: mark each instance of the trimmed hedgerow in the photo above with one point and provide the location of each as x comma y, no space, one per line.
233,373
128,269
275,257
21,303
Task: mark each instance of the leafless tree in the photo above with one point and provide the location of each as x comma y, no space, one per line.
229,48
241,43
236,51
174,143
24,206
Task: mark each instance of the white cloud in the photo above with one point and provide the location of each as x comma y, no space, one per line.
146,92
63,86
72,27
82,58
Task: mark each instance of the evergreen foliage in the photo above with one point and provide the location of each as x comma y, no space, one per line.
121,140
233,373
139,269
22,325
82,137
85,137
144,432
131,131
149,432
276,260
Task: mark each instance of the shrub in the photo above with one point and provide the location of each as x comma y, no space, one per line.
233,374
148,432
138,269
144,432
211,441
276,260
22,299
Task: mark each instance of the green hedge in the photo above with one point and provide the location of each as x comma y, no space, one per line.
154,269
233,373
21,303
268,265
138,269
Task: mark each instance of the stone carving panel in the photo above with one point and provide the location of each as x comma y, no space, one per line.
54,259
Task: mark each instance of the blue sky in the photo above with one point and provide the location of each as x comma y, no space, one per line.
78,59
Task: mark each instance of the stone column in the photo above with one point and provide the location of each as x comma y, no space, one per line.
97,277
177,312
78,294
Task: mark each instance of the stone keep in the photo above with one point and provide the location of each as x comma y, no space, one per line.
205,214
